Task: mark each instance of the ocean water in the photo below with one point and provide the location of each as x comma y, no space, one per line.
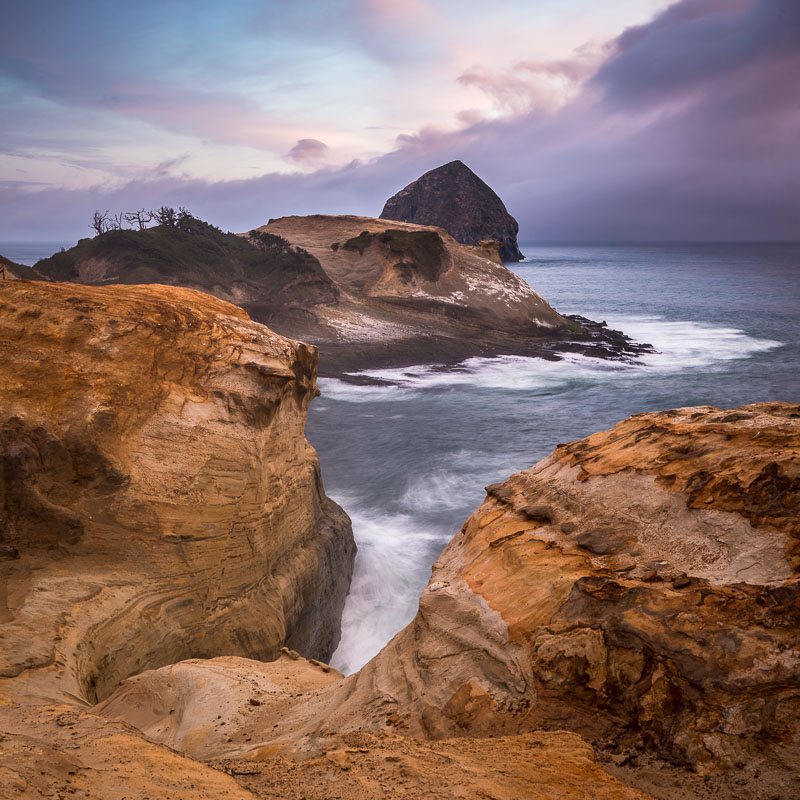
409,461
29,253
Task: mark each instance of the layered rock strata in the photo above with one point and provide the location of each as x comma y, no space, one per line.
410,294
453,197
638,587
158,499
368,292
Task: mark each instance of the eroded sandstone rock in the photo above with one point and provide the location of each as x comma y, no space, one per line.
652,597
410,294
158,499
59,751
638,587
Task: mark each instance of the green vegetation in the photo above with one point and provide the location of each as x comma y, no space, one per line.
190,252
360,242
424,248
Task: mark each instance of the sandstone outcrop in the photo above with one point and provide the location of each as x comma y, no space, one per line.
367,292
158,498
638,587
220,710
11,271
409,294
453,197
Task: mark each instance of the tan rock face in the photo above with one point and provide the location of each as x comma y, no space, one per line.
220,706
640,583
158,499
638,587
407,293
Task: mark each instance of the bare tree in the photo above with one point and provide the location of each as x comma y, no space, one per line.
117,222
99,222
140,217
166,216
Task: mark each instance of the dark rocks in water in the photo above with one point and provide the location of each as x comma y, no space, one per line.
453,197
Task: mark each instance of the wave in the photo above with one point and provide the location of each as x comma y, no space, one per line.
391,570
679,345
335,389
437,490
682,344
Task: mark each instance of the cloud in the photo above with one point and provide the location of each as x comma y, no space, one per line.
688,128
535,84
308,150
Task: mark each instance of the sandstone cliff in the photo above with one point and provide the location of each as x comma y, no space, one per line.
638,587
367,292
158,498
160,503
410,294
11,271
453,197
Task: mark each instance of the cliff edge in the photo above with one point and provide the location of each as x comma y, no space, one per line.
158,498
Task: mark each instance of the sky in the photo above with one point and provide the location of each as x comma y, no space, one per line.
632,120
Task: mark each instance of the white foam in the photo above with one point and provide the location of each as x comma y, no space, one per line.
436,490
391,570
335,389
684,343
680,345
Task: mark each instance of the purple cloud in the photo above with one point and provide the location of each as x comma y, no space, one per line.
688,129
308,150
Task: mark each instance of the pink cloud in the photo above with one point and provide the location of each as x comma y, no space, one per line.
308,150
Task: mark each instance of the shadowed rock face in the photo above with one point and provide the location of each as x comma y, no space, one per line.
158,499
638,587
453,197
273,282
11,271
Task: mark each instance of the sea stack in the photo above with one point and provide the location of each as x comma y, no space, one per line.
453,197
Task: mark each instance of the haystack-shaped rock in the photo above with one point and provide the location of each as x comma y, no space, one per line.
453,197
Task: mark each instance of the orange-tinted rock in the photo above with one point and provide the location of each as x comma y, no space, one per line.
594,593
157,493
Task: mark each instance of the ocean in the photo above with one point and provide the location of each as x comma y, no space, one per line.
409,461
